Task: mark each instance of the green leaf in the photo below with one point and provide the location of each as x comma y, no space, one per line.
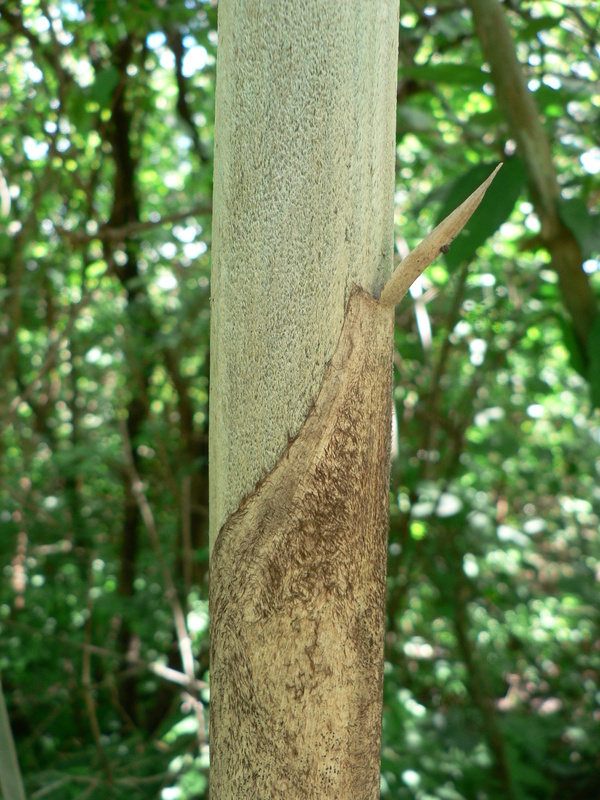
594,363
495,207
459,74
571,342
103,87
584,225
100,11
535,26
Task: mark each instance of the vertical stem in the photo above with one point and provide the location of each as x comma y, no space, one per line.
11,782
519,107
482,694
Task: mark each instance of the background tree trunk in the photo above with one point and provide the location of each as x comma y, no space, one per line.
519,107
303,210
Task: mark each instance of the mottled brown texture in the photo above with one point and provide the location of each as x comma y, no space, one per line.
297,595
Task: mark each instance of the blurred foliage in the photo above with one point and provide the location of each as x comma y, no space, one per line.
492,684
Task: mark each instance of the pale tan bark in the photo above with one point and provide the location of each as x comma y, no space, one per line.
303,209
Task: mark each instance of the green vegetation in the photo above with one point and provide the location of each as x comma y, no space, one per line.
493,649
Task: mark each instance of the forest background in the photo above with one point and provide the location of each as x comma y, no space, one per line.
492,673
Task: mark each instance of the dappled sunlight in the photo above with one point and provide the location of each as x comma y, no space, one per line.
492,651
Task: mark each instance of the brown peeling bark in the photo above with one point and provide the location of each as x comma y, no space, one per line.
297,593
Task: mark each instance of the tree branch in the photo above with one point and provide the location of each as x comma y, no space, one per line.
183,637
520,109
107,233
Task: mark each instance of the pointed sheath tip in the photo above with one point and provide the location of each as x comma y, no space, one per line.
494,173
429,249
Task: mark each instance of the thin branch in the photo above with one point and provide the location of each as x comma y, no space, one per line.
439,370
183,638
158,669
14,18
137,488
117,234
186,530
430,248
175,42
5,199
57,340
86,682
11,781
